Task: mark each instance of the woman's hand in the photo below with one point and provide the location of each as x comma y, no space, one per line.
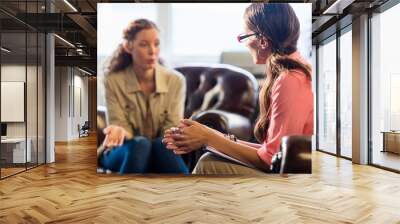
169,139
190,136
115,136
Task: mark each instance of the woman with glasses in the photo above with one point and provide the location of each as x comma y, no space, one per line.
143,100
286,98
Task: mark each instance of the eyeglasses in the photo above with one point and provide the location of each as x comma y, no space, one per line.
242,37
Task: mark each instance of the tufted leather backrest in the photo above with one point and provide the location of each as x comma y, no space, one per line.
219,86
213,86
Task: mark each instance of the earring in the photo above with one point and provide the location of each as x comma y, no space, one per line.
263,46
261,53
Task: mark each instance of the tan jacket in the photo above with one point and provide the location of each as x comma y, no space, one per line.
126,103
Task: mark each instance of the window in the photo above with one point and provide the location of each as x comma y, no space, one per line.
110,27
197,23
327,96
195,32
346,94
314,89
23,77
385,88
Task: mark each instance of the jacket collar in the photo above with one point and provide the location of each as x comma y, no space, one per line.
132,83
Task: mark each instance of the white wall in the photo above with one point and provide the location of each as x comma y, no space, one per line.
13,73
71,94
61,103
34,125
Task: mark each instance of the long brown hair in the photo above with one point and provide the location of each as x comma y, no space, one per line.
278,23
122,59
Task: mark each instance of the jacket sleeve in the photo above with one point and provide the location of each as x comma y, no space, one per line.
176,103
117,115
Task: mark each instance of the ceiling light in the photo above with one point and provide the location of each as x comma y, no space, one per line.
70,5
337,7
5,50
84,71
331,7
65,41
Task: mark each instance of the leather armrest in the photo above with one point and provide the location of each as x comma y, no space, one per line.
296,154
226,122
221,121
101,124
100,136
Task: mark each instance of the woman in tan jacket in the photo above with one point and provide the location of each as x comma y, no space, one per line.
143,100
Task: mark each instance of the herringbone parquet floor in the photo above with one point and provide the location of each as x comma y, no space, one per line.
70,191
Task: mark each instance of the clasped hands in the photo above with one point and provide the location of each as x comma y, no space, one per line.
188,136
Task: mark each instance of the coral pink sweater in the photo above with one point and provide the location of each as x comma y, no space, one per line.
292,110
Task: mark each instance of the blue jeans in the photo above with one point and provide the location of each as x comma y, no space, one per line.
141,155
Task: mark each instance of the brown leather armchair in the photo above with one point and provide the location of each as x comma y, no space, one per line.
230,92
223,97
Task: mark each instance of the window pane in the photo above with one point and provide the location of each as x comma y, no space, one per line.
195,32
197,23
327,97
214,33
41,99
385,85
110,25
346,94
32,97
314,82
13,72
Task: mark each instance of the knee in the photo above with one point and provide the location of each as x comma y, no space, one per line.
204,164
139,143
142,141
158,142
207,158
158,145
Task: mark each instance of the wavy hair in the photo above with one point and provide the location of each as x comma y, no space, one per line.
122,59
278,23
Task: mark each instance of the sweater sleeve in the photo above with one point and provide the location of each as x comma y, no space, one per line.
286,114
